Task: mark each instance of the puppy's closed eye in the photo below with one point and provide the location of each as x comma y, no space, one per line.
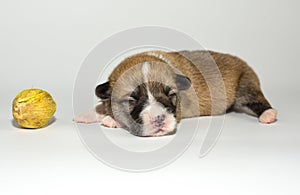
128,101
132,101
171,94
173,97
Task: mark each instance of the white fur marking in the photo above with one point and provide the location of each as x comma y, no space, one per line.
149,114
152,100
145,71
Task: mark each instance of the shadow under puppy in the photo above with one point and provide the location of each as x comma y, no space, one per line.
149,93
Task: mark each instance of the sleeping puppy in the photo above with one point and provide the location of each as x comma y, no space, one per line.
149,93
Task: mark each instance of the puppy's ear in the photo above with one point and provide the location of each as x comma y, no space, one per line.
182,82
103,91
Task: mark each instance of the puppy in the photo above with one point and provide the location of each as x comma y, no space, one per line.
149,93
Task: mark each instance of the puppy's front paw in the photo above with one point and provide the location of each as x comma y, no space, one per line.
108,121
268,116
88,117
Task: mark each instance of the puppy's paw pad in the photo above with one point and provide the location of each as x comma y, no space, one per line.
108,121
268,116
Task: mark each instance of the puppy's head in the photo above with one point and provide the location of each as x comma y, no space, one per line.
145,98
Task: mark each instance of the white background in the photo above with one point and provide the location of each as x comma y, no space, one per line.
43,43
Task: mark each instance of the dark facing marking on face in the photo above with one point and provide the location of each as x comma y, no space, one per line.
139,99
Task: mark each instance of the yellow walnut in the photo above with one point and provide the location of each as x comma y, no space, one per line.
33,108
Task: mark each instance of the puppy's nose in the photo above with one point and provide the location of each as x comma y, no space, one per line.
159,120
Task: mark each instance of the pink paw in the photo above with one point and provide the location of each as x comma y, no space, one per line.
268,116
88,117
108,121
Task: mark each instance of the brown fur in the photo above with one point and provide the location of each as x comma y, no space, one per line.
219,81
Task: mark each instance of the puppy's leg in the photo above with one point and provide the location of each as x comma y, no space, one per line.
251,100
89,117
93,116
97,115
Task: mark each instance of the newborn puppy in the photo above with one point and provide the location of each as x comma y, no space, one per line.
149,93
